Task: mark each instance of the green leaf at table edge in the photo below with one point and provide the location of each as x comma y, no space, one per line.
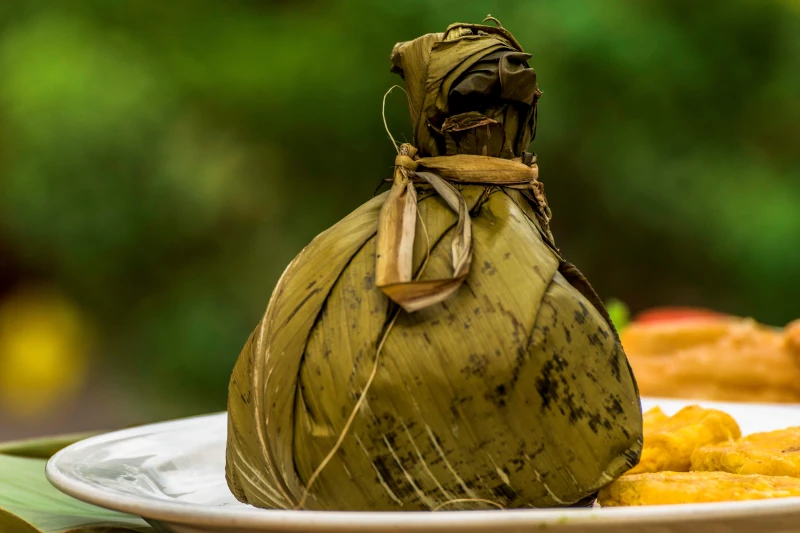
42,447
29,504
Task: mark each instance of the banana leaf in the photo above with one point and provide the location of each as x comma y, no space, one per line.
42,447
29,504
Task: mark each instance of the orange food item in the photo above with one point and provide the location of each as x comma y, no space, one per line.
772,453
714,357
665,488
670,441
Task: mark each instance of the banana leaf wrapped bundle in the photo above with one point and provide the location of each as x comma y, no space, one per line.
433,349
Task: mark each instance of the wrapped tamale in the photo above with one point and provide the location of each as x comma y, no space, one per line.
433,350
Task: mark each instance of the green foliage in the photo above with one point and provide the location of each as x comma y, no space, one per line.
41,448
164,161
619,313
30,504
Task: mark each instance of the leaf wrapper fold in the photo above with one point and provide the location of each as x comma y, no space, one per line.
470,91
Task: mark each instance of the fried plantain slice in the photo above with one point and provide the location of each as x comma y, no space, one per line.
669,441
773,453
664,488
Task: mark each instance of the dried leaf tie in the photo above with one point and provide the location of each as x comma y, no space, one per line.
397,220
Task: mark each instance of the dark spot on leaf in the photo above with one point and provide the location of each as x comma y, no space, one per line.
614,362
477,365
594,423
399,485
615,408
435,461
537,451
454,411
575,412
497,396
481,445
547,383
505,492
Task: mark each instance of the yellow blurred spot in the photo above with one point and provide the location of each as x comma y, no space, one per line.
44,344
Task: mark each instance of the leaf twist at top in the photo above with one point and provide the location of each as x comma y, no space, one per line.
470,91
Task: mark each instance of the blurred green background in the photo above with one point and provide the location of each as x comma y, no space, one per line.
161,162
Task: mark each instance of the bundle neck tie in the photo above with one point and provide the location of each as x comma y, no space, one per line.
398,217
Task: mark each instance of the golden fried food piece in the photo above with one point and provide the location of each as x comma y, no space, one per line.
664,488
723,358
669,441
774,453
653,419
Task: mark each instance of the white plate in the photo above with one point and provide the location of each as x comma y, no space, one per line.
172,475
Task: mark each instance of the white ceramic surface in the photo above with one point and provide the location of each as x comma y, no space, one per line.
172,475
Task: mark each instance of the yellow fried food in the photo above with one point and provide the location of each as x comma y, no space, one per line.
725,359
654,419
669,441
664,488
774,453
